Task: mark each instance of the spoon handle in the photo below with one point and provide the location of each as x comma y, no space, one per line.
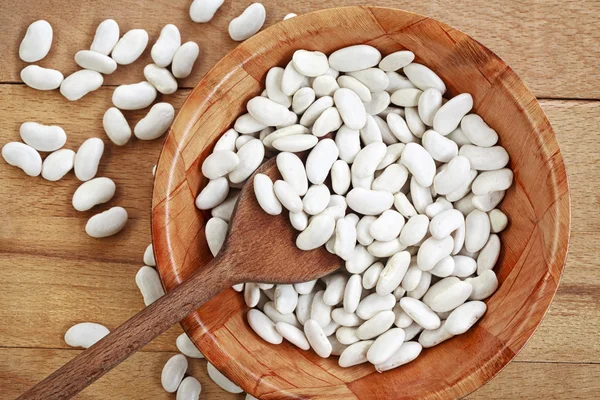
135,333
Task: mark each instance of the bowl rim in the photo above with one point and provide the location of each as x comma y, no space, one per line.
166,161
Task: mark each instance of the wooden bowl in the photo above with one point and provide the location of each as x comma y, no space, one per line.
534,247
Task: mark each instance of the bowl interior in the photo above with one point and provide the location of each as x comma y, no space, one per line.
534,245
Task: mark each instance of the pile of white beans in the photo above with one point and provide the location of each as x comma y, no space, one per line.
416,179
106,51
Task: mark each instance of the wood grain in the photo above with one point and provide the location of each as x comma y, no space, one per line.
551,44
46,254
139,378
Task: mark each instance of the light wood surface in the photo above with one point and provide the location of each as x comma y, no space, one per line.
54,275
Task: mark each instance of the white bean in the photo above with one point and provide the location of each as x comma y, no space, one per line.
291,130
423,77
37,41
219,164
489,201
376,325
414,230
187,347
92,60
385,346
441,148
130,47
213,194
463,190
291,80
464,317
265,195
80,83
446,222
488,256
57,164
134,97
492,181
248,23
363,92
369,202
310,63
302,99
420,313
263,326
399,128
498,220
160,78
432,251
189,389
106,37
85,334
204,10
88,158
464,267
419,162
370,133
453,177
23,156
447,294
216,232
368,159
317,338
477,232
393,273
484,285
407,353
107,223
184,59
413,121
327,122
432,337
165,47
318,232
273,87
221,380
448,117
315,110
373,304
350,107
43,137
485,158
403,205
387,226
293,335
251,155
275,316
373,78
148,281
429,104
149,256
320,161
396,60
477,131
406,97
156,122
345,238
116,126
41,78
411,278
285,299
354,58
93,192
266,111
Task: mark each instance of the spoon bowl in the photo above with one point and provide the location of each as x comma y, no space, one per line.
534,246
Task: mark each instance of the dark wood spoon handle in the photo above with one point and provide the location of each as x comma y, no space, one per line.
131,336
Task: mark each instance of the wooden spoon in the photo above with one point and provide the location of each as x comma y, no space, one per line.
259,248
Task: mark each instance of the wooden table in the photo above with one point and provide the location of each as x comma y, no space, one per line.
54,275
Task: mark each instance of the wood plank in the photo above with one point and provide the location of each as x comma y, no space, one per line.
139,378
136,379
42,238
551,44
